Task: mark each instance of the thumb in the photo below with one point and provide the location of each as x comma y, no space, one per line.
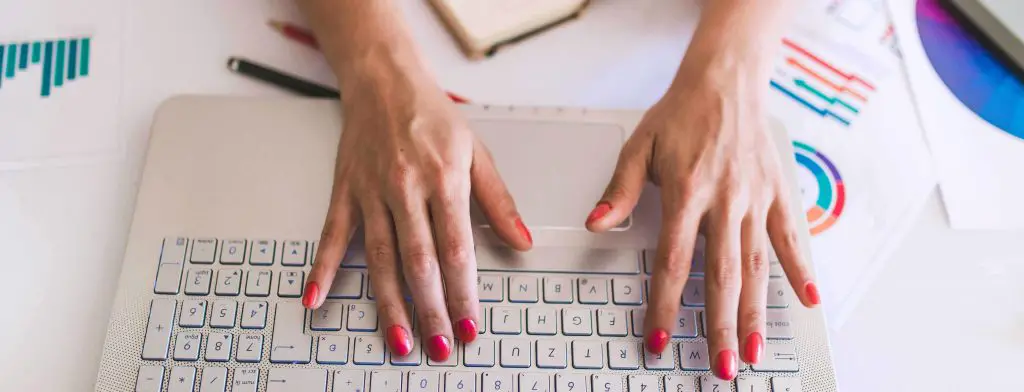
495,202
624,189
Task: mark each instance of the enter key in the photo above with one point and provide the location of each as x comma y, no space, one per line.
289,344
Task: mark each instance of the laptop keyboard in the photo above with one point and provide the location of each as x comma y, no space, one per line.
225,316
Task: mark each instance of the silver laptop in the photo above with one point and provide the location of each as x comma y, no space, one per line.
1001,23
232,200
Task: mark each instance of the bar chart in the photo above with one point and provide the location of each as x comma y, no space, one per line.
62,60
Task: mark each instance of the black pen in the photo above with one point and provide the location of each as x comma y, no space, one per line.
280,79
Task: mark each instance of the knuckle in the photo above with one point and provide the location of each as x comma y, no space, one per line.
401,176
673,264
380,254
456,253
419,263
725,273
756,264
752,316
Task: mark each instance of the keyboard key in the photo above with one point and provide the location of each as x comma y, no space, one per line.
168,278
540,321
173,250
490,288
385,381
183,379
254,315
515,353
479,353
587,354
522,289
294,253
593,291
607,382
150,379
223,315
459,382
246,380
785,384
627,291
423,381
250,348
186,346
623,355
711,383
348,284
693,292
218,347
327,317
414,358
778,325
686,324
349,381
506,320
215,379
262,252
777,293
198,281
369,350
229,282
557,290
676,383
612,322
571,382
751,384
497,381
699,263
332,350
551,354
362,317
258,283
290,284
576,322
158,329
693,356
778,358
650,255
775,270
289,344
534,382
232,252
644,383
638,322
193,314
203,250
666,360
296,380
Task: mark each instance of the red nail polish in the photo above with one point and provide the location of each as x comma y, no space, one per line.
599,211
725,365
753,349
657,341
312,293
523,230
398,339
811,290
465,330
438,348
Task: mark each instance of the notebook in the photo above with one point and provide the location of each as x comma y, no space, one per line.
482,27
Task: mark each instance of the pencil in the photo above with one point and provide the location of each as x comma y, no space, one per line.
295,33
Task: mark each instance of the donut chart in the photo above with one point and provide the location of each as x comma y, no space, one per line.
972,74
827,196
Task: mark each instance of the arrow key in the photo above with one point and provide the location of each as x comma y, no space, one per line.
296,380
290,284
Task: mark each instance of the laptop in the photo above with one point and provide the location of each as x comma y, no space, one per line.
1001,24
231,203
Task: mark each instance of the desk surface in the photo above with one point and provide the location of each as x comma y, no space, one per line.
946,300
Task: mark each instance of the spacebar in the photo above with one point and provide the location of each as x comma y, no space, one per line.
556,259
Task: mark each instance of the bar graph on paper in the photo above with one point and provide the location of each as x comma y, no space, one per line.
62,61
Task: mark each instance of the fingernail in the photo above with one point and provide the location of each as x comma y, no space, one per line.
438,348
657,341
465,330
312,293
398,339
811,290
523,230
600,211
725,365
752,350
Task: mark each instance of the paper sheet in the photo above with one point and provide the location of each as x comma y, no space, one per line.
972,110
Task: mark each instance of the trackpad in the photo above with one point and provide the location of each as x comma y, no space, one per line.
556,171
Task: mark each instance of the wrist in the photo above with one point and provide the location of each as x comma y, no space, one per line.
382,68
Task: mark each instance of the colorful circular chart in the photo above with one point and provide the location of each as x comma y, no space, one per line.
821,187
975,77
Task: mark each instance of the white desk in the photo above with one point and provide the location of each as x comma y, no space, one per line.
945,314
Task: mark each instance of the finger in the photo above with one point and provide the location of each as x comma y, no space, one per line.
423,274
623,191
676,243
454,234
722,287
382,265
338,227
753,294
495,202
782,229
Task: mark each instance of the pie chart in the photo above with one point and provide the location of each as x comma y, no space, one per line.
821,187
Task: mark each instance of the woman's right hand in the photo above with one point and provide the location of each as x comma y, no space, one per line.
406,167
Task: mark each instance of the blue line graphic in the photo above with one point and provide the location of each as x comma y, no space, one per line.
822,112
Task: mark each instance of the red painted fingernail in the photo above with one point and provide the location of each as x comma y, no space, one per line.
753,349
600,211
465,330
438,348
725,365
312,293
811,290
398,339
657,341
523,230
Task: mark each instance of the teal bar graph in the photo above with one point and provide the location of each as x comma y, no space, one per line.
58,71
23,56
83,68
12,52
37,50
44,91
72,59
63,60
1,65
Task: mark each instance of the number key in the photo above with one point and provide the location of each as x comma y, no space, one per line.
459,382
193,314
497,381
223,314
198,282
570,382
711,383
674,383
534,382
607,383
218,347
423,381
229,282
